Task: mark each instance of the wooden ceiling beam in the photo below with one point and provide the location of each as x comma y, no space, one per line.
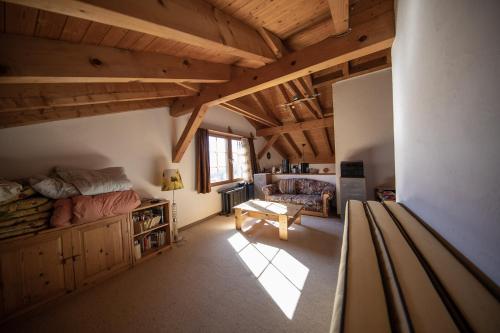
193,22
297,127
274,43
282,90
188,133
331,146
340,15
194,87
270,142
261,103
276,145
252,113
291,142
284,94
328,79
54,61
29,117
302,94
366,38
196,119
307,86
349,71
21,97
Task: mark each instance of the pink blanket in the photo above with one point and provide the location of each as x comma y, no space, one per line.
88,208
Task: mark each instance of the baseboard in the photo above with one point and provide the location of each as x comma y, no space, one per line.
198,222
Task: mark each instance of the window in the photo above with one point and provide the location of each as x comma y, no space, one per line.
227,159
238,158
219,170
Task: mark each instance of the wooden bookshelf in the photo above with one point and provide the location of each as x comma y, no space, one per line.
154,240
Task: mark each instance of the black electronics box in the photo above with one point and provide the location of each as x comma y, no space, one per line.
285,166
304,167
351,169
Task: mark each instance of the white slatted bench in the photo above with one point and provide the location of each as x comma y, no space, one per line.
396,274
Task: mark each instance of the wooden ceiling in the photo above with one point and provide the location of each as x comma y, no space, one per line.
63,59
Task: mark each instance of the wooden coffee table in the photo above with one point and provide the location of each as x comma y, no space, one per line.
284,213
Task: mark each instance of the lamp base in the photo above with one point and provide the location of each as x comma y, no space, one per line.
176,237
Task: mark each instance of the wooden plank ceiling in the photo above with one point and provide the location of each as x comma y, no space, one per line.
63,59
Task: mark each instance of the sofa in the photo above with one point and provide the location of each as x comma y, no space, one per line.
314,195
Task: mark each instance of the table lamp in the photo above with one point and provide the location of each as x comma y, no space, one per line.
172,181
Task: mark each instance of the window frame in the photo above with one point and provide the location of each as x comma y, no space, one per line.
229,151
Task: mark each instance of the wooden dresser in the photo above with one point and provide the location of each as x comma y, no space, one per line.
35,269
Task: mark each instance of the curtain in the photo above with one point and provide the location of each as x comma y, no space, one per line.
202,162
253,157
247,163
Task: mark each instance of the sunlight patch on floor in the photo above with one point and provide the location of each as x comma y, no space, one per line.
279,273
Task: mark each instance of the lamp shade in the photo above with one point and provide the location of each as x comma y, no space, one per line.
171,180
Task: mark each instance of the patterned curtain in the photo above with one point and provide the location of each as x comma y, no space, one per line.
202,162
247,166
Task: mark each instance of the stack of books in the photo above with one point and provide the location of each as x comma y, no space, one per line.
154,240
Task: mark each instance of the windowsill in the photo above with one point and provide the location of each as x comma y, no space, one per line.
224,182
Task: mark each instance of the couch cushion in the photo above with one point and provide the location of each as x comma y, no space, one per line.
309,186
310,202
287,186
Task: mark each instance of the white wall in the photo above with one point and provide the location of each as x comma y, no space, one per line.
446,76
140,141
364,127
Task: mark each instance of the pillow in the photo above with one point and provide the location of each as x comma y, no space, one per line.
9,190
62,214
53,187
310,186
92,208
93,182
287,186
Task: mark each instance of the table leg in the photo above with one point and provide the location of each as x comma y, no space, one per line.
282,219
238,218
298,219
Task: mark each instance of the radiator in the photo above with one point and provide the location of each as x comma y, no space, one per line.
233,196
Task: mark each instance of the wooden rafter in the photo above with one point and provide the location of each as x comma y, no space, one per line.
261,103
249,112
294,127
274,42
196,119
195,87
282,90
307,85
279,49
270,142
331,146
21,97
369,37
54,61
275,144
340,15
306,88
192,126
291,142
354,69
193,22
310,106
28,117
331,78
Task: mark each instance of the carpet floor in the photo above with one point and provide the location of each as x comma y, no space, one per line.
216,280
